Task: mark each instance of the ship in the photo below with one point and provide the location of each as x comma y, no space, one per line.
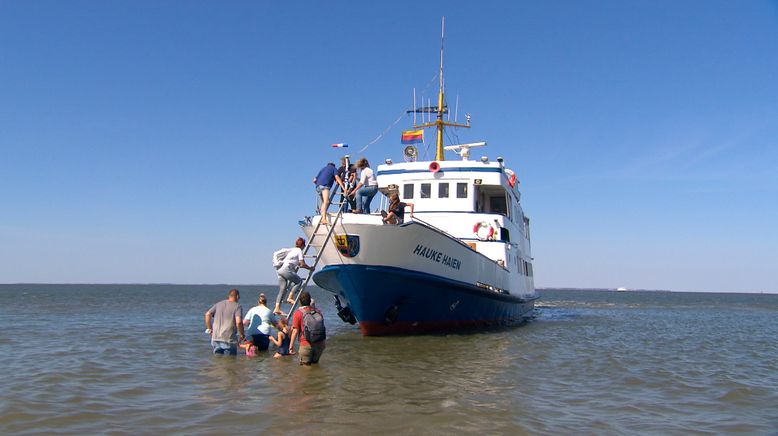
462,261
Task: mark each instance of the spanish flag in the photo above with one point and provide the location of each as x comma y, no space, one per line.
413,136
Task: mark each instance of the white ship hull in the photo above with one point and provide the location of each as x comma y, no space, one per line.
413,278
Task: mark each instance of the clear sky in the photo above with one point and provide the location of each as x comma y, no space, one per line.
175,141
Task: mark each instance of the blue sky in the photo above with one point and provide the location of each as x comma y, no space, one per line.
174,141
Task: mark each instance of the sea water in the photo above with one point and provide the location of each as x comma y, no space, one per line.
130,359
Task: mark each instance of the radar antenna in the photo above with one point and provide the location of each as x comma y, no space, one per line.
463,150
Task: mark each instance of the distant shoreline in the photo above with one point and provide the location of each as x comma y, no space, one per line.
238,285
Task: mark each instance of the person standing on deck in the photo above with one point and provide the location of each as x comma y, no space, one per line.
287,274
223,321
345,179
323,182
367,187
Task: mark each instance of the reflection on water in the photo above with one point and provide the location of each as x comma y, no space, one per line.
94,359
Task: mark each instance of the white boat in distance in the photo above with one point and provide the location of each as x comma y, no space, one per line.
462,261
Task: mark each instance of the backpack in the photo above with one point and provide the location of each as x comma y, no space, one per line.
313,326
279,256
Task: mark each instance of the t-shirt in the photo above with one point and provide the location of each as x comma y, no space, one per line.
224,313
367,178
399,211
292,259
326,176
297,323
261,318
342,173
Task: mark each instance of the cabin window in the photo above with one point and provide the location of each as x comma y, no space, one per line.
461,190
426,190
497,204
526,227
443,190
407,191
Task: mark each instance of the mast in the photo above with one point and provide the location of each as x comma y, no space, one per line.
439,121
439,124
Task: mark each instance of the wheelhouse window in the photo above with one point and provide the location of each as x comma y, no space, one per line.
407,191
443,190
425,191
497,204
461,190
492,199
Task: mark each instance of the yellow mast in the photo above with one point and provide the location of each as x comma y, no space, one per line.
439,123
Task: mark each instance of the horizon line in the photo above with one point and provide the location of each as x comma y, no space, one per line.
545,288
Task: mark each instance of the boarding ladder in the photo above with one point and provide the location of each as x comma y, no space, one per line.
316,242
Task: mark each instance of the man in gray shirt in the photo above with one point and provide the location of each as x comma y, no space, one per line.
223,320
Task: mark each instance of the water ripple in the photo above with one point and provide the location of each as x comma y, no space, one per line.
124,359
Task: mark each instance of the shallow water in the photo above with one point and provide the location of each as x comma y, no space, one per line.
133,359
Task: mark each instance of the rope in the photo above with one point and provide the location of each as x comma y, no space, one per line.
381,135
386,130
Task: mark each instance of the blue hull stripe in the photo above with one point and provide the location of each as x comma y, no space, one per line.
388,300
443,170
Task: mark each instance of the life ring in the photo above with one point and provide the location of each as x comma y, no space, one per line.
511,177
484,231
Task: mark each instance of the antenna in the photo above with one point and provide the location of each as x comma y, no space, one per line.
442,38
414,106
456,109
441,109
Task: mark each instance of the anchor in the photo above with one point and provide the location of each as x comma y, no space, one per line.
344,312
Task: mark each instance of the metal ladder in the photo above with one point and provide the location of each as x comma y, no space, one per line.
320,246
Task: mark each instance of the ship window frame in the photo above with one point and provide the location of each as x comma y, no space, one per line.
461,194
498,204
408,191
440,190
425,190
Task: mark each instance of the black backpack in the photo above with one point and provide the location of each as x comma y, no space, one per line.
313,326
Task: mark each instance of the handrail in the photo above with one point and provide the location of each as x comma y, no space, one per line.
439,230
338,216
431,227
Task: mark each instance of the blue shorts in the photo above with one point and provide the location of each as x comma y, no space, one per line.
261,341
320,188
221,347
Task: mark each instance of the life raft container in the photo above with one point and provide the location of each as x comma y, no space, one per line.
484,230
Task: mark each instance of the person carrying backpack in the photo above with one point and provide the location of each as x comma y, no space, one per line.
308,323
286,265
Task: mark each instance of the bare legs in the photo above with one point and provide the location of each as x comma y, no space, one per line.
325,203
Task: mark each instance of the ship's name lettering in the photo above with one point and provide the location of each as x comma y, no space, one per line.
437,256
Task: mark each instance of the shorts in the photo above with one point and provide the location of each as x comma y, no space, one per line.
221,347
261,341
320,188
311,353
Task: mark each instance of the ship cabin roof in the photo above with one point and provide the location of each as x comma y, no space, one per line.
456,186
